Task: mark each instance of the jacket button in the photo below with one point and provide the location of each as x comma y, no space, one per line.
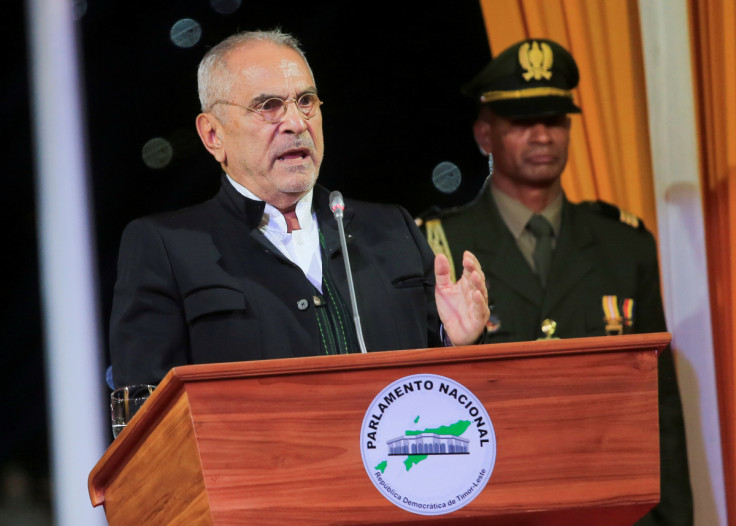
302,304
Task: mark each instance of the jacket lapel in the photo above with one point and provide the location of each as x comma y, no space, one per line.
251,213
499,254
328,224
569,264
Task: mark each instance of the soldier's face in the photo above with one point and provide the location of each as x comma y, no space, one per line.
527,152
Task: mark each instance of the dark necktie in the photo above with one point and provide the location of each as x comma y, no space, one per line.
542,255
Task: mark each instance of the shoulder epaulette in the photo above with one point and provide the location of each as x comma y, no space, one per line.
613,212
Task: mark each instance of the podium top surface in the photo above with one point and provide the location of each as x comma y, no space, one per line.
440,355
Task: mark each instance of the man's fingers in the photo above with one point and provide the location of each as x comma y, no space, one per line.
474,274
480,285
480,307
442,271
471,263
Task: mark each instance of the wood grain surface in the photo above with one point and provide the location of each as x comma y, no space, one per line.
279,441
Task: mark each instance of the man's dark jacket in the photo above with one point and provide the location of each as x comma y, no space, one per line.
204,285
596,255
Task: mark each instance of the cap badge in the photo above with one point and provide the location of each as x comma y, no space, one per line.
536,62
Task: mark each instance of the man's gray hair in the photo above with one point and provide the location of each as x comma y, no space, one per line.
215,80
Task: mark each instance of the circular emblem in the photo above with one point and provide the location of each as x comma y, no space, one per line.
428,444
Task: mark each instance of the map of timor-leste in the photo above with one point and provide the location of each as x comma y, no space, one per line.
419,444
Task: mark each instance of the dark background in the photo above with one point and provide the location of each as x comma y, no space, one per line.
389,73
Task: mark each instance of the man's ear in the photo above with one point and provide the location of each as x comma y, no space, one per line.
209,129
482,134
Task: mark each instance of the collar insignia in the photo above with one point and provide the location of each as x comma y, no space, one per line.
536,59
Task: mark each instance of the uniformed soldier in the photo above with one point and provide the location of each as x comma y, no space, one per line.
554,268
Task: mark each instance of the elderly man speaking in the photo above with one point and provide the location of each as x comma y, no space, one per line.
258,272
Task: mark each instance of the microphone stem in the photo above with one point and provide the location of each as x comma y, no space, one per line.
351,289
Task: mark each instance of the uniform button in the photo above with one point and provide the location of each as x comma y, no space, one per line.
302,304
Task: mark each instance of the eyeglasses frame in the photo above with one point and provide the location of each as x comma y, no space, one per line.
285,103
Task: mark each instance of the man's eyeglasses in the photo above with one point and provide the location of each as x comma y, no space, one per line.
274,109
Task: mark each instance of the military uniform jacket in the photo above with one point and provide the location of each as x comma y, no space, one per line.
204,285
595,256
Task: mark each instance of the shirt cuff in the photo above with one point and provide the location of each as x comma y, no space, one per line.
447,342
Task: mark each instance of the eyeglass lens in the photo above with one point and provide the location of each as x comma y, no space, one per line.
274,109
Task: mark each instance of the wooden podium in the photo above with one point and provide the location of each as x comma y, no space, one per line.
243,443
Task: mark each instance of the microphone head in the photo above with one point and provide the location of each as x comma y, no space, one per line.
337,205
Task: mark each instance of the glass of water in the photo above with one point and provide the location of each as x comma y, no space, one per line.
125,402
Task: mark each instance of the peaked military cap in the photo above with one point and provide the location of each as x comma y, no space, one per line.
532,78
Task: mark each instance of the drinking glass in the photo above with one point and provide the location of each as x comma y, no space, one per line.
125,402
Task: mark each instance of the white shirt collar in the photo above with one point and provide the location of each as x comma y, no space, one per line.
301,247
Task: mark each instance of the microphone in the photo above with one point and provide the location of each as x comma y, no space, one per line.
337,205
